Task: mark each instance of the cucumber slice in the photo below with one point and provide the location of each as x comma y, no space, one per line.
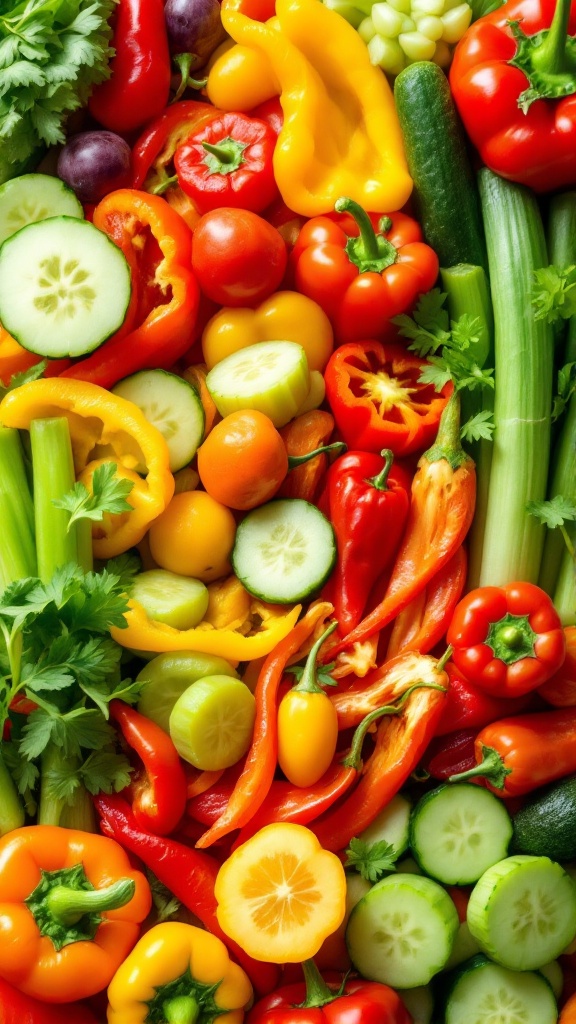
465,946
64,287
170,404
211,724
391,825
179,601
522,911
270,376
458,831
167,676
486,993
401,932
284,551
33,197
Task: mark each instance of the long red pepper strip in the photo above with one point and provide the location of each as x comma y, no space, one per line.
262,758
441,511
385,684
400,742
189,874
425,620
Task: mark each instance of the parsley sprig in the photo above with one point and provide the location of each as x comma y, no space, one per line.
555,513
554,295
371,860
108,494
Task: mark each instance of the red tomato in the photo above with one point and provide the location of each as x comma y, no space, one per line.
238,257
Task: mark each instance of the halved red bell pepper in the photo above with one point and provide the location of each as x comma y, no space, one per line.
158,788
377,400
363,268
158,246
513,79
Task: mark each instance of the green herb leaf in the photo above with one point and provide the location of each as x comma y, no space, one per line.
554,295
566,389
322,673
371,860
125,567
479,427
108,495
17,379
553,513
165,903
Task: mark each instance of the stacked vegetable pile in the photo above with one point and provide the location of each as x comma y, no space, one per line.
288,507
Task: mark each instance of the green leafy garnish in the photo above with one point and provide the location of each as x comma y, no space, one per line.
165,903
108,495
554,296
323,676
555,513
17,379
566,388
371,860
479,427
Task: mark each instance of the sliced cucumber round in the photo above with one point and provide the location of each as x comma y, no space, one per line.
33,197
401,932
522,912
284,551
167,676
391,825
486,993
458,831
173,406
270,376
178,601
211,724
64,287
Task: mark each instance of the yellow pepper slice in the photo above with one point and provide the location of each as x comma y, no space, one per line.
177,972
105,427
341,135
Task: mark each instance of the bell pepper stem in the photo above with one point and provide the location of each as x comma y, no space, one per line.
163,185
491,767
370,251
185,62
317,991
551,55
367,233
67,905
225,157
181,1010
297,460
354,757
380,481
308,682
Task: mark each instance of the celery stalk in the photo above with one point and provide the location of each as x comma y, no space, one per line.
564,596
17,548
78,812
513,540
561,238
53,474
11,811
563,482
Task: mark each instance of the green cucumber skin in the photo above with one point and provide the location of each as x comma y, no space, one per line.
445,193
546,825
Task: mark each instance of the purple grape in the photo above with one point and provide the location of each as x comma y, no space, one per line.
95,163
194,26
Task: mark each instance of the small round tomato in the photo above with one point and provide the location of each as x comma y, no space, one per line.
193,536
243,460
238,258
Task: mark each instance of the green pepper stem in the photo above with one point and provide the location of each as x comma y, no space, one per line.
308,682
297,460
552,56
185,62
441,663
317,991
491,767
67,905
223,153
354,759
447,444
163,185
380,481
181,1010
367,233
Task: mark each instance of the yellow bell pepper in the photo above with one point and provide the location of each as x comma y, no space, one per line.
103,427
286,316
341,135
178,972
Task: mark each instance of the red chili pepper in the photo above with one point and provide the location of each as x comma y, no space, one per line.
425,620
469,707
158,788
153,152
507,640
139,85
16,1008
355,1001
228,162
207,807
521,53
363,268
377,400
519,754
560,689
189,874
441,511
157,242
451,754
367,503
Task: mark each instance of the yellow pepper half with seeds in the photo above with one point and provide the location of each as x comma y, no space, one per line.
341,134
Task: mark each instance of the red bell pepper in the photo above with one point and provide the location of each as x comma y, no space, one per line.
507,640
513,79
470,707
158,787
378,401
157,244
363,268
228,162
16,1008
367,503
153,152
560,689
139,86
355,1001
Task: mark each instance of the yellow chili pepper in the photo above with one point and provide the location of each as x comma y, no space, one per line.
341,134
103,427
284,315
178,972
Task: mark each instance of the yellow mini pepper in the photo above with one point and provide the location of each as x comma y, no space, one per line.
341,135
178,972
103,427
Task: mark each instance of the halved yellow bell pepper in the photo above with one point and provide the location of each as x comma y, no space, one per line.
341,135
178,972
103,427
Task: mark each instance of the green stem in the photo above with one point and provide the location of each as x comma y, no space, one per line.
17,547
53,474
76,812
369,252
317,991
163,185
85,550
67,905
491,767
354,758
185,62
297,460
380,481
367,233
447,444
444,659
308,682
11,810
565,590
181,1010
551,55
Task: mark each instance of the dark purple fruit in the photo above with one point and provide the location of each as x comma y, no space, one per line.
95,163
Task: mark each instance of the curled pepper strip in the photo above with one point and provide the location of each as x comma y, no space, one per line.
102,423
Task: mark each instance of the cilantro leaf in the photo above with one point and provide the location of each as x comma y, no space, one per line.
371,860
98,604
106,771
17,379
553,513
71,730
108,495
554,294
125,567
323,676
479,427
165,903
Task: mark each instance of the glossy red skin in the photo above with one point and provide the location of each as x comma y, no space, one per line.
139,86
468,706
560,689
157,144
360,305
469,629
363,1002
357,416
536,148
251,186
16,1008
238,257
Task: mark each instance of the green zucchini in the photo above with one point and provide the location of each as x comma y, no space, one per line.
546,824
445,193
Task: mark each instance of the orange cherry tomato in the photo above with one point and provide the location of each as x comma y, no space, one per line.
243,460
193,536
